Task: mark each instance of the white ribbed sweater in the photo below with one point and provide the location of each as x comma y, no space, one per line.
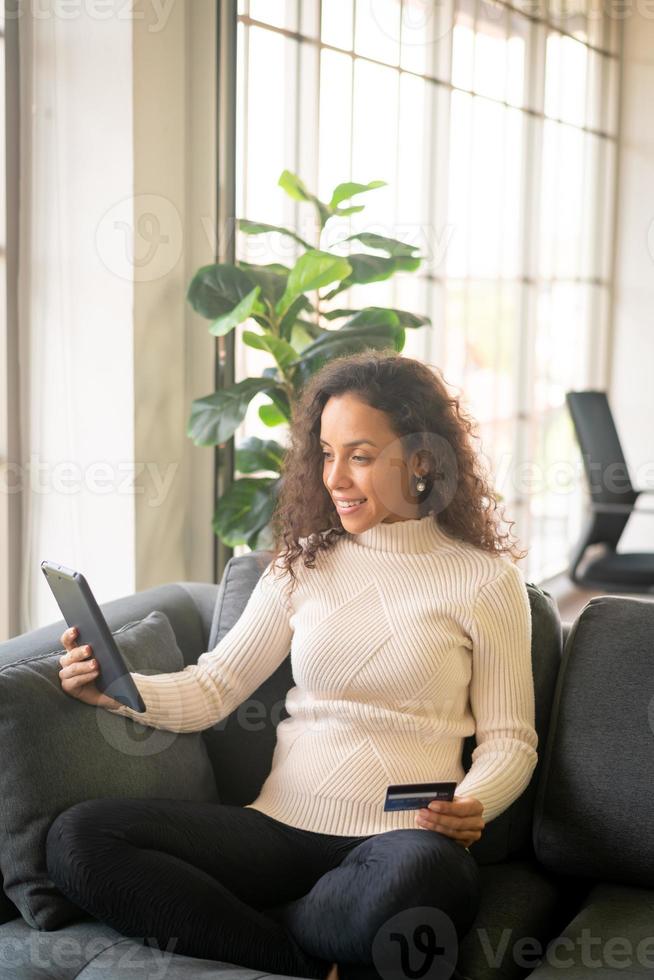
403,641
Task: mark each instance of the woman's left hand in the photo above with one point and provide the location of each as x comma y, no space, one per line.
460,819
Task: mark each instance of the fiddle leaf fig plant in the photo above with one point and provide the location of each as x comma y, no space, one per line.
284,305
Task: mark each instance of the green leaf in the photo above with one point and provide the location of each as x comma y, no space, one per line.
339,314
280,349
271,278
353,209
217,289
374,268
343,339
335,343
389,245
293,186
299,304
412,320
280,400
259,454
296,189
253,339
262,540
301,337
242,312
406,319
343,192
259,228
271,416
215,418
313,329
244,509
311,271
373,316
275,268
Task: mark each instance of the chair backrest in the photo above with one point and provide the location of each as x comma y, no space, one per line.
241,746
604,463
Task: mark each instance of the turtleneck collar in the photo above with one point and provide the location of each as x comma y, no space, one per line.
420,534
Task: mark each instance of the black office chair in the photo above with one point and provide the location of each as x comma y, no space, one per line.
612,500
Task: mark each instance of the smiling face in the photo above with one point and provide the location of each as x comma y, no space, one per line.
363,461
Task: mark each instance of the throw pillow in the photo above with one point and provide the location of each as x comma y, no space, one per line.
58,751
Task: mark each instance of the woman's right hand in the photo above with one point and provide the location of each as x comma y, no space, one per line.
78,673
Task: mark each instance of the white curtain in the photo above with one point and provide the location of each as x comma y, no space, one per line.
75,301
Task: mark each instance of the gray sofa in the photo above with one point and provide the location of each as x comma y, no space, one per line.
567,870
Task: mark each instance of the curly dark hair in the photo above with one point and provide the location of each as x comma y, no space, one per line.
425,417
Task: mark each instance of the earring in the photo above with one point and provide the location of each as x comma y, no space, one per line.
420,485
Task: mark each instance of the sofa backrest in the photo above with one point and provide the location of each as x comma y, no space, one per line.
510,834
595,800
241,746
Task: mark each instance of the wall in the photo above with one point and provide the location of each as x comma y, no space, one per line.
632,364
174,208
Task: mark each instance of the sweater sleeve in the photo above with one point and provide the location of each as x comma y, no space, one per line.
501,695
202,694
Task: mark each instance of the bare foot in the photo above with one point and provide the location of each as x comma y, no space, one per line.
333,973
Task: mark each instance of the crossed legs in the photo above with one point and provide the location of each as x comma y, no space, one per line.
230,884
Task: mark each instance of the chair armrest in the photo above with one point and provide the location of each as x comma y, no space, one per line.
618,509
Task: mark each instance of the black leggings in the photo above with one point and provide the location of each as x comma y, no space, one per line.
228,883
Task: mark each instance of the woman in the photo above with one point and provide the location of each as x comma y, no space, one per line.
409,629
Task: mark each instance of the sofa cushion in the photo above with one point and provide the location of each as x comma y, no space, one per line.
58,751
522,907
91,950
27,954
188,605
595,803
609,937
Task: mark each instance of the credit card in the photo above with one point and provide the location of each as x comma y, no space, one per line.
415,796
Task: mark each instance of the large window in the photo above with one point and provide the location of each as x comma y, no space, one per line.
495,128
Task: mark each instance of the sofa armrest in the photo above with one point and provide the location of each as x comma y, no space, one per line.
188,606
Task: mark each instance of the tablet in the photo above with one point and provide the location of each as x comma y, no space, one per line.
79,608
